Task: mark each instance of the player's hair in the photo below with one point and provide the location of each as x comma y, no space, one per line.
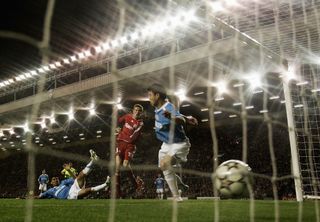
138,105
157,88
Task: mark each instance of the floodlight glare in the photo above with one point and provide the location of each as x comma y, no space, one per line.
66,61
181,94
73,58
119,106
98,49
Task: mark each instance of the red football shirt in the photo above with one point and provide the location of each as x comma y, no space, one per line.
131,129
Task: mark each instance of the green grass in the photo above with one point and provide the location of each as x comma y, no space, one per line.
151,210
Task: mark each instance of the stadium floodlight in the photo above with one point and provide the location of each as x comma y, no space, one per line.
81,55
6,82
217,112
221,87
263,111
181,94
52,66
66,61
81,134
65,137
98,49
52,119
92,111
41,70
73,58
249,107
254,80
10,81
119,106
50,139
204,109
134,36
71,114
11,131
114,43
217,6
185,105
274,97
46,68
298,106
106,45
232,116
43,124
99,131
87,53
218,99
1,133
2,84
124,40
28,75
198,93
20,77
315,90
237,104
302,83
58,64
26,127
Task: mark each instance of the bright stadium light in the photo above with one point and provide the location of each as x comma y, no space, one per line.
52,66
254,80
217,6
73,58
221,87
87,53
46,68
71,114
26,127
41,70
52,119
134,36
58,64
98,49
66,61
11,131
81,55
119,106
181,94
43,124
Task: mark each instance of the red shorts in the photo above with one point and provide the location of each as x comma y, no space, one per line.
125,150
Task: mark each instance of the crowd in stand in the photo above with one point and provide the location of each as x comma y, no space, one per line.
13,182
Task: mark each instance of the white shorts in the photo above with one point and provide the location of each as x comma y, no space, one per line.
179,150
43,187
160,190
74,190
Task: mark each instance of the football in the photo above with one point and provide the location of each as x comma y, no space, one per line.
231,179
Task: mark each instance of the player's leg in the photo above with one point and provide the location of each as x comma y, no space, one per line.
117,175
82,175
129,153
165,164
86,191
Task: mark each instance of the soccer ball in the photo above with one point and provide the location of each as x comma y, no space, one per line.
231,179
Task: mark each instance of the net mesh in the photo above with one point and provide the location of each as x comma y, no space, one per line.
230,40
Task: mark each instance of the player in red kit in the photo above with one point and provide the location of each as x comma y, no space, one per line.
127,137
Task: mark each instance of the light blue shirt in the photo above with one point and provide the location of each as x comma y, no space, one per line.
162,124
59,192
159,183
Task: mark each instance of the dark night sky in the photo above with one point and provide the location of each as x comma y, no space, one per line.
76,24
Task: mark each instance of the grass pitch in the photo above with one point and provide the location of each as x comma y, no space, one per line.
152,210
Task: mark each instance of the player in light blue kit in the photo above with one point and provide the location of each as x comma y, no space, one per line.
169,129
74,188
159,182
43,181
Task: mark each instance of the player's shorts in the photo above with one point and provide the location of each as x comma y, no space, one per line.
159,190
74,190
125,150
43,187
180,151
